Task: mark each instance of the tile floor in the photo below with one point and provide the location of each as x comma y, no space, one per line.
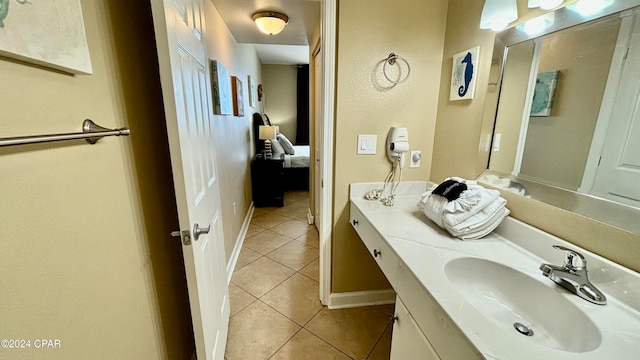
275,308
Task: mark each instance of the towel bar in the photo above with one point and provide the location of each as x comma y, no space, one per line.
90,132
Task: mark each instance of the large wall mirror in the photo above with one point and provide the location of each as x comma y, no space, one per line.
567,118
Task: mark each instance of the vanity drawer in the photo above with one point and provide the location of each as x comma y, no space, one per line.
382,254
443,334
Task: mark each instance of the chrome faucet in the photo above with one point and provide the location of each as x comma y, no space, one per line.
573,277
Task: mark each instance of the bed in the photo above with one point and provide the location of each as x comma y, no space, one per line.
296,165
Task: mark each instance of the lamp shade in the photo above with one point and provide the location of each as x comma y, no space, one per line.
270,22
498,14
266,132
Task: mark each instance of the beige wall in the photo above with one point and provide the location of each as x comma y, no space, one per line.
458,149
367,104
233,135
280,87
458,132
584,70
86,255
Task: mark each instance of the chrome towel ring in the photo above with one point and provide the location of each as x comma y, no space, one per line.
391,60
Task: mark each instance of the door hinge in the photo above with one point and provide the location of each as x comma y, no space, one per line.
185,235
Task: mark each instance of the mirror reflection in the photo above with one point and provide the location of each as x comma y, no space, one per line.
568,114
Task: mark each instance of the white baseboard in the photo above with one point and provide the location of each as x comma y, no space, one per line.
361,298
310,218
231,264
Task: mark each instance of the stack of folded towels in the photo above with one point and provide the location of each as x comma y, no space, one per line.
464,208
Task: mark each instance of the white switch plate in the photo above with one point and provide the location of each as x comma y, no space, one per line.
496,142
367,144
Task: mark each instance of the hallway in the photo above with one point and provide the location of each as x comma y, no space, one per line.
275,307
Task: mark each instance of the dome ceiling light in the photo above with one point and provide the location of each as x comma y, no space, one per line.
270,22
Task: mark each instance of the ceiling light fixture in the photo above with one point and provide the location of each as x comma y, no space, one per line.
545,4
498,14
270,22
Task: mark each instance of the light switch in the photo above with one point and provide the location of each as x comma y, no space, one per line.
367,144
496,142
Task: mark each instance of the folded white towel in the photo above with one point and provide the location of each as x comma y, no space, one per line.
477,220
470,202
433,205
476,213
488,228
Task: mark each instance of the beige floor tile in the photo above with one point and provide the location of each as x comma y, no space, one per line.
306,346
353,331
292,228
387,309
291,211
253,229
297,298
266,241
269,220
246,257
262,275
257,332
302,217
382,350
294,255
264,210
239,299
312,270
310,238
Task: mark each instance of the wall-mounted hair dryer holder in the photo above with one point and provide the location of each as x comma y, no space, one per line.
397,144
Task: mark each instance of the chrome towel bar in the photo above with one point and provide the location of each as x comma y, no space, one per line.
90,132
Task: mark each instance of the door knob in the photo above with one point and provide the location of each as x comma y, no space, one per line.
197,231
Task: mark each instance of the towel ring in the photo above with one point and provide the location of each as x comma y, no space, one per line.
391,60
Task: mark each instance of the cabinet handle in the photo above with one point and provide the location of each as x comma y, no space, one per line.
394,319
355,222
376,252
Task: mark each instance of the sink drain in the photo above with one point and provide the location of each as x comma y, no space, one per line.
523,329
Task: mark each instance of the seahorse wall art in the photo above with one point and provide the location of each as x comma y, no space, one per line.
463,75
468,74
4,9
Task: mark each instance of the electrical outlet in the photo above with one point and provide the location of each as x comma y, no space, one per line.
416,156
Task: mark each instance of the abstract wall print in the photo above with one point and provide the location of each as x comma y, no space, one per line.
221,89
250,89
463,74
544,92
238,98
47,33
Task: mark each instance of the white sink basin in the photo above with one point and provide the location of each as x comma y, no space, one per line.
522,305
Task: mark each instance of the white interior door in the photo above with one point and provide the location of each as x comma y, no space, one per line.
618,174
317,61
179,27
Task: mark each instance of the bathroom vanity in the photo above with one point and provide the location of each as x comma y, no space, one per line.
487,298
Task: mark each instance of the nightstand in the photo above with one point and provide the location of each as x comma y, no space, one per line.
267,182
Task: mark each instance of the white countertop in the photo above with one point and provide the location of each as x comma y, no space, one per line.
425,249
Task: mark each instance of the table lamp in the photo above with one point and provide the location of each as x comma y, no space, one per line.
267,133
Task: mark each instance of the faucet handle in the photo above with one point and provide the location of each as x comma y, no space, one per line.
569,256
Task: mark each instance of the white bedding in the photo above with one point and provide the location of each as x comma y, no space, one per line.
300,159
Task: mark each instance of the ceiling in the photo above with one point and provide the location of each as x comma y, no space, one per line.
291,46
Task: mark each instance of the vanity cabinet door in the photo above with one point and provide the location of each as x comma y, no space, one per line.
408,342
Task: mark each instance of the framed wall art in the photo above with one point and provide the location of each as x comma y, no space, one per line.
46,33
251,86
544,93
221,89
238,99
463,74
